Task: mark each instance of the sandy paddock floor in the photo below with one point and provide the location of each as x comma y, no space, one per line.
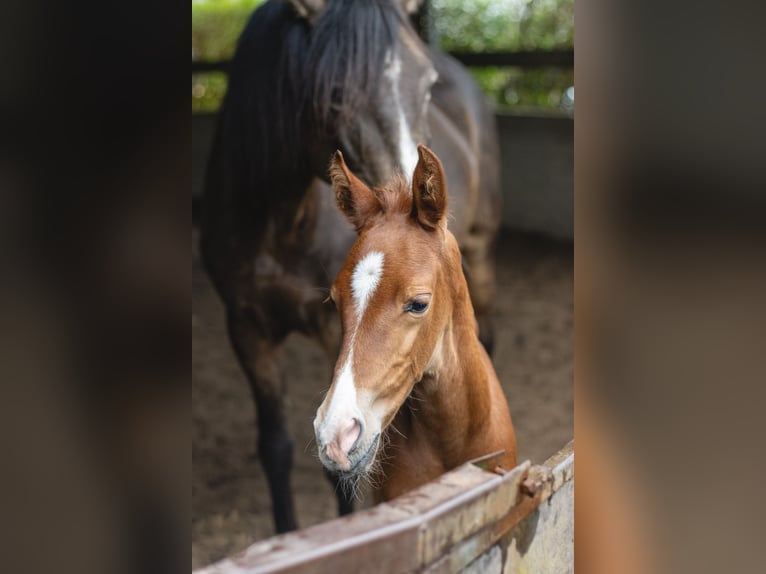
533,358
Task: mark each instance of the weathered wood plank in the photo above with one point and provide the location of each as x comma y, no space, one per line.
469,519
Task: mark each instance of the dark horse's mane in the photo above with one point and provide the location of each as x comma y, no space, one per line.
291,83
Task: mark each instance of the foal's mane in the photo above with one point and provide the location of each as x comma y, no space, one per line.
291,83
395,196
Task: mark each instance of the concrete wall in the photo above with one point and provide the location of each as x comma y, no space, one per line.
537,170
538,173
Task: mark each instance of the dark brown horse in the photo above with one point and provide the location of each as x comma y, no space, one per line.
310,77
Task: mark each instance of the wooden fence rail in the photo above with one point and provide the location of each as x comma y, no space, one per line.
531,59
469,520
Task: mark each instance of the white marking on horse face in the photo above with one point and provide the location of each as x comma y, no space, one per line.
364,281
393,66
408,151
344,404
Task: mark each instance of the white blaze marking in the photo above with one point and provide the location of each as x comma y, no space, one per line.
343,403
408,151
364,282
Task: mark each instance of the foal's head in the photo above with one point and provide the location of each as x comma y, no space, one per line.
395,295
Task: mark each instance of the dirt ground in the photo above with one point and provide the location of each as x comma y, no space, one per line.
533,358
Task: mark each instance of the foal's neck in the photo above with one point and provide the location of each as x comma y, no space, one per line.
456,412
455,391
447,419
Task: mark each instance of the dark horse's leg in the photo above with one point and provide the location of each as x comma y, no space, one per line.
257,355
345,499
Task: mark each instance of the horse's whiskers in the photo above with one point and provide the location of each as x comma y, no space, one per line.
308,444
400,433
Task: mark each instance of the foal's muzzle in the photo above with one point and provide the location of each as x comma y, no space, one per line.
336,452
357,460
361,459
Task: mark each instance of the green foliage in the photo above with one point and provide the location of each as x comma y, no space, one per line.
458,25
208,90
216,25
503,25
510,25
533,88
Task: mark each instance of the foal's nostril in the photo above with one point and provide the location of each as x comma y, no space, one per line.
349,435
343,442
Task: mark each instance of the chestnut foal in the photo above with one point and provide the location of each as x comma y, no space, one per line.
410,359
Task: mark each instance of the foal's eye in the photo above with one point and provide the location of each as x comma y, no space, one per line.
416,307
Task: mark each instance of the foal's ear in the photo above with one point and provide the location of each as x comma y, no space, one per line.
357,201
429,190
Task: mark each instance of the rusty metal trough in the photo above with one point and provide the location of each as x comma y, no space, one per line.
469,520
